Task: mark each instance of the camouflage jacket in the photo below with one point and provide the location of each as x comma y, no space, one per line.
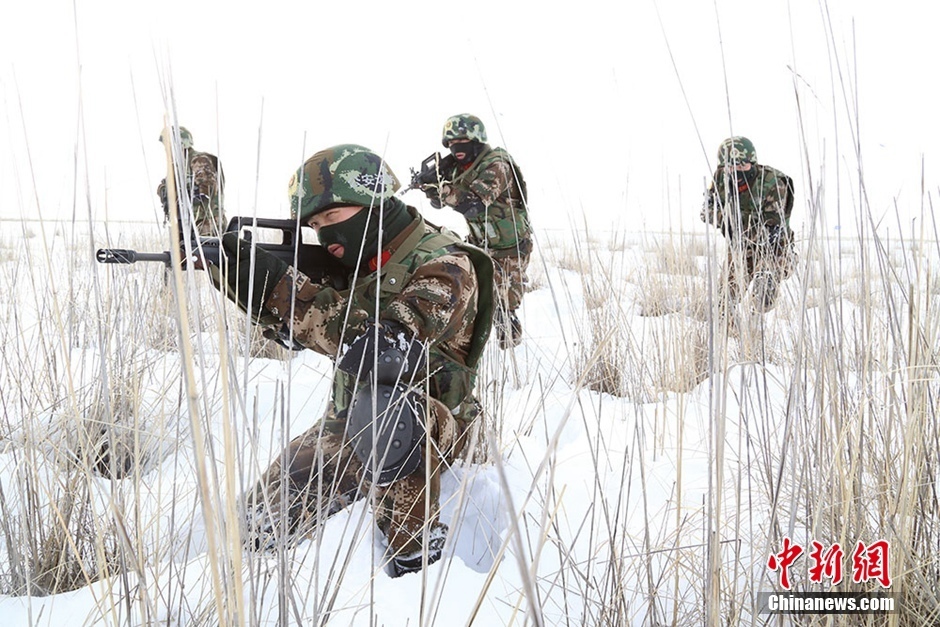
746,211
429,285
503,228
204,184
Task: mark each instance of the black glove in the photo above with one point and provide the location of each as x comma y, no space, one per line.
283,337
433,195
401,355
268,270
470,205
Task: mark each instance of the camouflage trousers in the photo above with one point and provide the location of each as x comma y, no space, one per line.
318,475
510,280
765,268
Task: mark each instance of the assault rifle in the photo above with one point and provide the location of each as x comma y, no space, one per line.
208,250
313,260
432,171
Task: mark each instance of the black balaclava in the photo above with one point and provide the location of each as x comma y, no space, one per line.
747,176
348,233
472,149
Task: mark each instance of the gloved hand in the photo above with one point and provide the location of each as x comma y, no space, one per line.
267,271
470,205
433,195
400,355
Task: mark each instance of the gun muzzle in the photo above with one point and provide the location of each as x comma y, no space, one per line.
124,255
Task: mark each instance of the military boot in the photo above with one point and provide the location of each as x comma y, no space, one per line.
412,562
264,529
764,291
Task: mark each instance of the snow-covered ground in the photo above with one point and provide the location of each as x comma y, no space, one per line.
651,505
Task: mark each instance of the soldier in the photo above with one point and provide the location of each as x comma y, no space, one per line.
486,186
751,205
405,319
204,183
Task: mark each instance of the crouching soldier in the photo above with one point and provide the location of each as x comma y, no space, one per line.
406,321
485,185
751,205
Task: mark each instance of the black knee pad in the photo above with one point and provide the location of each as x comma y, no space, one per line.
385,428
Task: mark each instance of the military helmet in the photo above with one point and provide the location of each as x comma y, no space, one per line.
186,138
346,174
737,149
463,126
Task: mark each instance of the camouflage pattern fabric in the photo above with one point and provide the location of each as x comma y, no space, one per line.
204,185
463,126
438,303
503,228
754,216
510,276
744,264
744,210
318,475
737,150
344,174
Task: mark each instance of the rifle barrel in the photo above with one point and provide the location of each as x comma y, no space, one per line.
124,255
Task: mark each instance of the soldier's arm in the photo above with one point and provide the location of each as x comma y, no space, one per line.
710,213
776,200
164,201
439,302
432,306
318,312
487,187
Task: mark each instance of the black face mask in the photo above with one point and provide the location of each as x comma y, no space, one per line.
471,150
349,232
744,177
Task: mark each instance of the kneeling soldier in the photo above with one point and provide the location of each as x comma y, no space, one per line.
405,320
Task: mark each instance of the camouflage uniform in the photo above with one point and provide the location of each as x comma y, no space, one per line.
428,285
204,185
752,210
501,225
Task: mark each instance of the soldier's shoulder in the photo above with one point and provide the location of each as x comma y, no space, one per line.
768,172
494,155
196,156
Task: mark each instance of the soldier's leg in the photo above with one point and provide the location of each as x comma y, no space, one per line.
316,476
407,510
729,284
510,281
770,271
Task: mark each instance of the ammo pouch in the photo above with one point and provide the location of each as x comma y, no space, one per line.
493,233
385,429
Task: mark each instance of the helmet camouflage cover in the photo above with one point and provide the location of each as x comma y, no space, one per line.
346,174
186,138
737,149
463,126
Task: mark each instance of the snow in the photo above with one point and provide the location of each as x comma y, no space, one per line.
590,502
